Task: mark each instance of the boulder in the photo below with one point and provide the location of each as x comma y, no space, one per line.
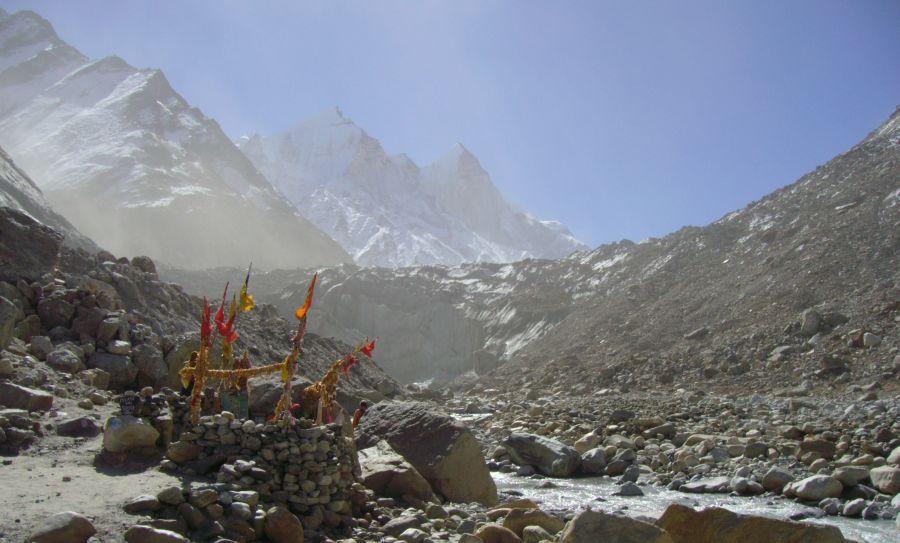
65,527
810,322
125,433
152,369
122,373
517,519
147,534
886,479
594,526
9,316
282,526
776,478
65,360
444,451
823,448
387,473
716,524
181,452
593,462
851,475
548,456
54,310
183,346
19,397
78,427
494,533
815,488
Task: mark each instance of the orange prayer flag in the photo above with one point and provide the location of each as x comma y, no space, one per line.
301,311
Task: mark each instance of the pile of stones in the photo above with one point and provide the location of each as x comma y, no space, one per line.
309,471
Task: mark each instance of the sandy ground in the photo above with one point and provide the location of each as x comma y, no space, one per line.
57,475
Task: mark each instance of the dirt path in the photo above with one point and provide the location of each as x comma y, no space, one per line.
58,475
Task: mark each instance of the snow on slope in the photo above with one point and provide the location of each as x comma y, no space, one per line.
387,211
19,192
134,166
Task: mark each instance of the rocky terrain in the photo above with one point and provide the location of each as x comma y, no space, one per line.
769,296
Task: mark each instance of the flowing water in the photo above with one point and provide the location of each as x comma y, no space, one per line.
578,494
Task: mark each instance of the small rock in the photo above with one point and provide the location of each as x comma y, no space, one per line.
65,527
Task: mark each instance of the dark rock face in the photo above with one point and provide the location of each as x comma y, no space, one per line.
26,246
444,451
548,456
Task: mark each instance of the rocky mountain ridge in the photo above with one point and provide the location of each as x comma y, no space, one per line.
134,166
711,303
387,211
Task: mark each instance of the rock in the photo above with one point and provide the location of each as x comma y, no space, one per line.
494,533
716,485
620,415
699,333
716,524
854,508
894,456
62,359
282,526
534,534
629,489
125,433
387,473
593,462
181,452
886,479
871,340
823,448
122,373
95,377
816,487
78,427
142,504
586,442
517,519
851,475
202,497
87,321
65,527
412,535
443,451
19,230
146,534
152,369
145,264
54,310
548,456
594,526
397,526
19,397
810,322
171,495
9,316
776,478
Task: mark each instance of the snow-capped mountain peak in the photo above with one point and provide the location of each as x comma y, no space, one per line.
386,210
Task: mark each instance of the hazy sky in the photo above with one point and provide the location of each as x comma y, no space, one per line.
622,119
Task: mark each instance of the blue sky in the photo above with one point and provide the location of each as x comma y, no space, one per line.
620,119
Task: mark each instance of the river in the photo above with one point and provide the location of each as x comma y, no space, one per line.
578,494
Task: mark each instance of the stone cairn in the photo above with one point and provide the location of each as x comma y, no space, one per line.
255,469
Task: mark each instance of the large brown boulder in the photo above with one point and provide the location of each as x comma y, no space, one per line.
65,527
387,473
444,451
593,526
716,524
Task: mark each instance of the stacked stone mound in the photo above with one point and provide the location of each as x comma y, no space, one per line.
211,512
311,471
